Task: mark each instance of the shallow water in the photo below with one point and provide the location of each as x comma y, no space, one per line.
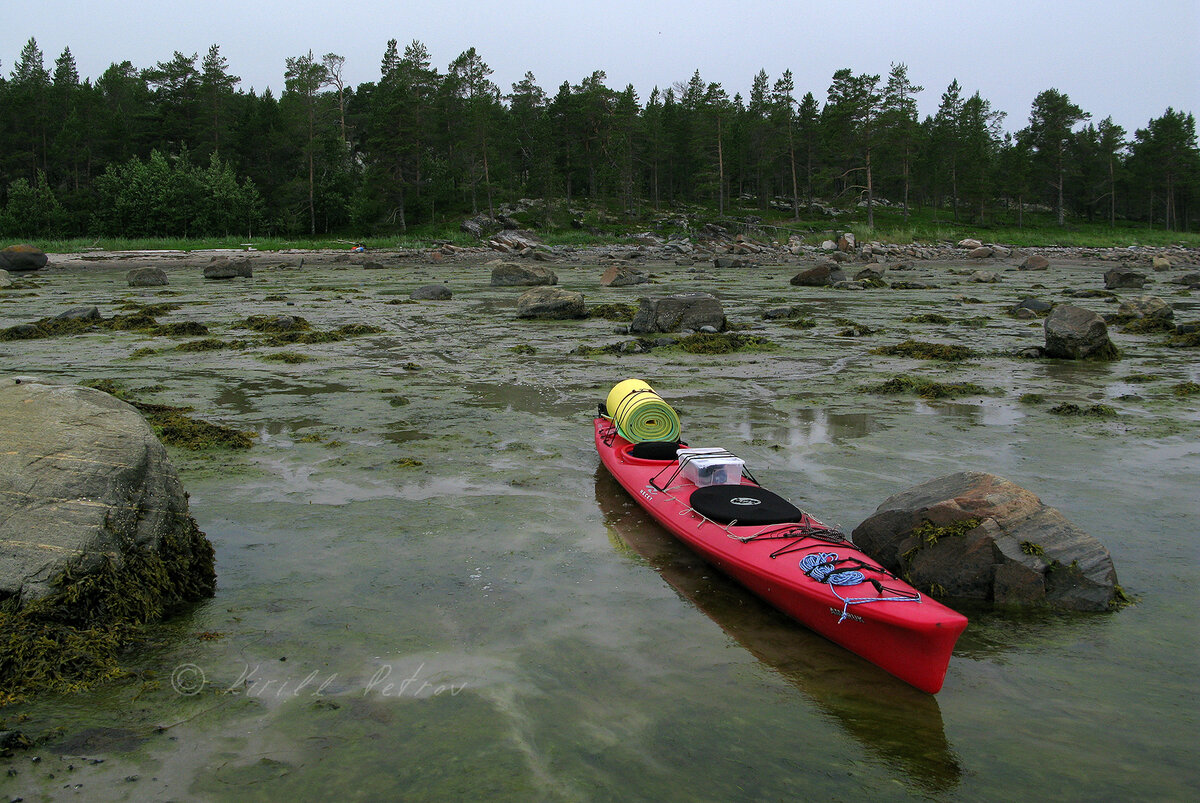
502,622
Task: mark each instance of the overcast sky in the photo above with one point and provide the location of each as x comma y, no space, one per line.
1119,58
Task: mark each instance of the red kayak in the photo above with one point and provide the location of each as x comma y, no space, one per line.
804,568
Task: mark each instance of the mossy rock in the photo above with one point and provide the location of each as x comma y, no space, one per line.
118,549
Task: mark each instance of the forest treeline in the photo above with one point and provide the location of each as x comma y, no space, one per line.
177,149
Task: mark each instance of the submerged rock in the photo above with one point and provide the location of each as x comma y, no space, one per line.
551,302
975,535
1075,333
677,312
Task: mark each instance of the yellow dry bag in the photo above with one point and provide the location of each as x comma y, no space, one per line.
640,414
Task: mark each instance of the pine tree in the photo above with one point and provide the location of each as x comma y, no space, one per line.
1051,120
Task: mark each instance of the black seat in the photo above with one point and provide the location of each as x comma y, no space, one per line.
745,504
655,450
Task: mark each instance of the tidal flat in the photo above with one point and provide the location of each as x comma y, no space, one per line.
428,588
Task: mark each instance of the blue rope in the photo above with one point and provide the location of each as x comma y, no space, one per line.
822,567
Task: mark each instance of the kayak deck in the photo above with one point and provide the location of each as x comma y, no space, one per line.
803,567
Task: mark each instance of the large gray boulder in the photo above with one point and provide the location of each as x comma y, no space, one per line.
5,280
823,274
514,274
975,535
86,486
1075,333
550,302
1122,277
22,258
227,268
432,292
622,276
678,312
146,277
1145,307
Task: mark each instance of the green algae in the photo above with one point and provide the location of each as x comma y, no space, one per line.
357,329
926,351
289,357
927,534
182,329
176,429
211,344
613,312
1091,411
927,317
927,389
800,323
74,638
1184,389
1141,326
276,323
722,343
1187,340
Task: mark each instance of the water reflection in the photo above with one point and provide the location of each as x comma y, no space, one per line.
895,722
539,400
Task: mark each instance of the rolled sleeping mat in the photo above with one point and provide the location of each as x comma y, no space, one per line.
640,414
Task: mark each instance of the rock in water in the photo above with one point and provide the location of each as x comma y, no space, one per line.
147,277
1034,262
86,488
979,536
675,313
432,292
5,280
550,302
1075,333
512,274
822,275
1117,278
622,276
1145,307
226,268
22,257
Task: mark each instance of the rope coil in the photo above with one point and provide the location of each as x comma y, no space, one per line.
822,567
